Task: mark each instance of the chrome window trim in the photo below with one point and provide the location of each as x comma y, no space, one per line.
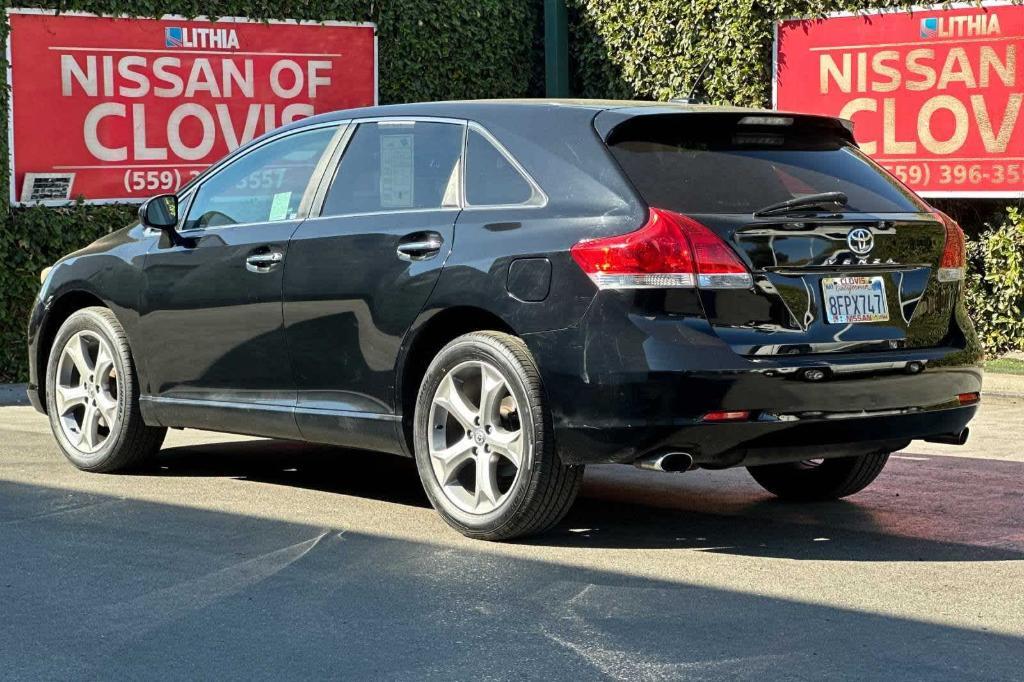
398,119
388,212
538,199
452,191
210,228
331,171
319,170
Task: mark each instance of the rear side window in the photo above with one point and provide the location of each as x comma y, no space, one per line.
710,163
491,178
399,165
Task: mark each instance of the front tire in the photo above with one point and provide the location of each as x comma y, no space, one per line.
827,479
483,440
92,395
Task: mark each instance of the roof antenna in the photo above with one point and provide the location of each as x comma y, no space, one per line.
691,98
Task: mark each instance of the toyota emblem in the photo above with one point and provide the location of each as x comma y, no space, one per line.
861,241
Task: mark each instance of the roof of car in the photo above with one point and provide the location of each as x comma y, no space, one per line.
464,108
605,113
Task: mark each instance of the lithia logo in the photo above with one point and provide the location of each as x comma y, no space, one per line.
216,38
960,26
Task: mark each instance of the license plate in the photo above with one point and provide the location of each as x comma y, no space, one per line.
849,300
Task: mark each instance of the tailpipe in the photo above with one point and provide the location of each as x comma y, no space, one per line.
950,438
666,461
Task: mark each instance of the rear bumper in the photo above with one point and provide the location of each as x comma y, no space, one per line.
719,446
622,386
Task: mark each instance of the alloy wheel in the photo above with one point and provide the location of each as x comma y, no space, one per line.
85,391
478,446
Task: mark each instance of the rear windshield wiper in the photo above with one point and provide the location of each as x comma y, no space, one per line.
833,199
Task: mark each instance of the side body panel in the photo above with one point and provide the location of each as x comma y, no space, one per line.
211,329
349,301
212,334
108,270
586,198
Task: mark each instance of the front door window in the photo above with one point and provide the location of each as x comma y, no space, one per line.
264,186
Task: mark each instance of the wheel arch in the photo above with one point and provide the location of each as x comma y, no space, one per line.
430,335
64,306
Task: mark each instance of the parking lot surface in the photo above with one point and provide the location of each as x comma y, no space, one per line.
245,558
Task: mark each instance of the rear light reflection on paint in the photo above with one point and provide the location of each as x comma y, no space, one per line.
727,416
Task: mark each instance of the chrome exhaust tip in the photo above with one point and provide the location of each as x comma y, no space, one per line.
950,438
666,461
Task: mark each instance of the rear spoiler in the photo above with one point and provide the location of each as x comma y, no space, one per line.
608,120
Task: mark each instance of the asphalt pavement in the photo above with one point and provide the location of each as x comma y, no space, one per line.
244,558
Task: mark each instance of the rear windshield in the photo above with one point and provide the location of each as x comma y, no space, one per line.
711,163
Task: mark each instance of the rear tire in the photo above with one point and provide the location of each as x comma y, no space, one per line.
481,416
828,479
92,396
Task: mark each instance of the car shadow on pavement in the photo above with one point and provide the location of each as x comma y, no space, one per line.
103,587
939,509
919,509
360,473
815,533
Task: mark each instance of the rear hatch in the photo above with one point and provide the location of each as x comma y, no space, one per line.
856,263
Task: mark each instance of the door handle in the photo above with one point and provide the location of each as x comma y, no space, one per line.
420,245
263,261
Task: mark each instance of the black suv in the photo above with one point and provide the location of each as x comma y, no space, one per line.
509,290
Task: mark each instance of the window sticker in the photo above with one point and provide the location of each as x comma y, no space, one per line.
396,168
279,207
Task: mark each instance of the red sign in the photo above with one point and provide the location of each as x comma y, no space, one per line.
935,94
119,109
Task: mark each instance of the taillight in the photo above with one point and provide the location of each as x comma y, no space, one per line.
670,251
954,256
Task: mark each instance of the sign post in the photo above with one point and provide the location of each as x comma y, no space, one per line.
118,109
935,94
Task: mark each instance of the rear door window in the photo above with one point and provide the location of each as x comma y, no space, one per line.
396,165
709,163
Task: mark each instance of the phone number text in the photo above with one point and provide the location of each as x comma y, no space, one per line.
928,173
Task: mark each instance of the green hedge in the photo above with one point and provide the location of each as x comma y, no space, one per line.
428,50
996,294
655,49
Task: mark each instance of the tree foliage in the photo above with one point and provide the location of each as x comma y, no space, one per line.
995,295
